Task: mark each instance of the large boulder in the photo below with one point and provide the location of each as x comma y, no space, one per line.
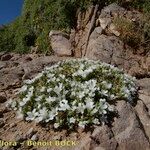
128,130
104,48
60,43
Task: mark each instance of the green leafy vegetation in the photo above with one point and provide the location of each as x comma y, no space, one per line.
37,19
40,16
74,93
135,34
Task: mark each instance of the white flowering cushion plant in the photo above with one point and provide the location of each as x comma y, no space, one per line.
74,93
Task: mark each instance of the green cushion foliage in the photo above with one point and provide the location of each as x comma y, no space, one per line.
74,93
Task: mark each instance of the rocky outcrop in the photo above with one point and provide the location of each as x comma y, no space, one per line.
104,48
104,42
126,132
21,67
130,129
60,43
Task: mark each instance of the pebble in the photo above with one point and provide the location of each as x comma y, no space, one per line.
34,137
57,137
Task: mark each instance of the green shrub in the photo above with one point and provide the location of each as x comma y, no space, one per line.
74,93
7,39
135,34
130,34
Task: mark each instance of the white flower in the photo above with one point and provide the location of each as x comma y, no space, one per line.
13,105
104,92
39,98
112,96
102,100
43,113
81,108
81,94
23,89
105,106
64,105
62,76
50,99
56,125
50,75
49,90
74,108
89,104
108,86
82,124
9,103
94,111
51,115
58,89
104,111
96,121
24,101
42,89
19,115
28,81
39,106
31,115
38,76
111,108
38,119
72,120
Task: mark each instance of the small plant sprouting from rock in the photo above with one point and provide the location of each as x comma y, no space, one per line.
74,93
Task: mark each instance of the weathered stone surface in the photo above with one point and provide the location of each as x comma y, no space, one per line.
104,47
104,22
84,143
107,15
145,86
114,30
145,99
3,99
144,115
112,10
103,136
6,57
96,33
60,43
128,130
2,64
27,68
2,123
10,76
